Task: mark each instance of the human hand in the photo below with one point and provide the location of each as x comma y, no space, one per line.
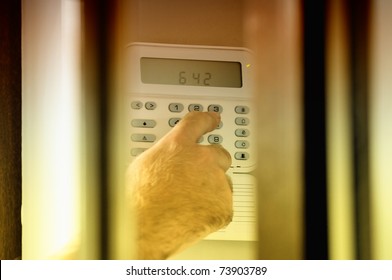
179,188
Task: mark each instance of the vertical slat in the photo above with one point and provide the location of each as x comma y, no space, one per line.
272,29
341,215
97,28
380,128
315,165
10,130
359,47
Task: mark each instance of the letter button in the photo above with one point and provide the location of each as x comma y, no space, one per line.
242,109
143,123
242,132
136,105
137,151
150,105
241,121
242,144
241,156
173,121
143,137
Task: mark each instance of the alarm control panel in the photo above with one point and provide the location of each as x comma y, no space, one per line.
167,81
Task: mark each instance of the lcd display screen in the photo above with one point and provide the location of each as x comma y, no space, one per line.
185,72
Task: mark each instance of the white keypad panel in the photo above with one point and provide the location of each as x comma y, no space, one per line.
244,220
153,117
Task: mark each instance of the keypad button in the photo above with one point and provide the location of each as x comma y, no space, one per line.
137,151
136,105
242,109
220,125
143,123
176,107
241,121
242,144
174,121
215,108
143,137
195,107
241,156
215,139
150,105
242,132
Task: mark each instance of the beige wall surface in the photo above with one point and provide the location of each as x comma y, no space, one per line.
203,22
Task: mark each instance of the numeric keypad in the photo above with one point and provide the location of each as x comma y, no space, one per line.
153,118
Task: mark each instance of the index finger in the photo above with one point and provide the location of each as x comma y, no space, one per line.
196,124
